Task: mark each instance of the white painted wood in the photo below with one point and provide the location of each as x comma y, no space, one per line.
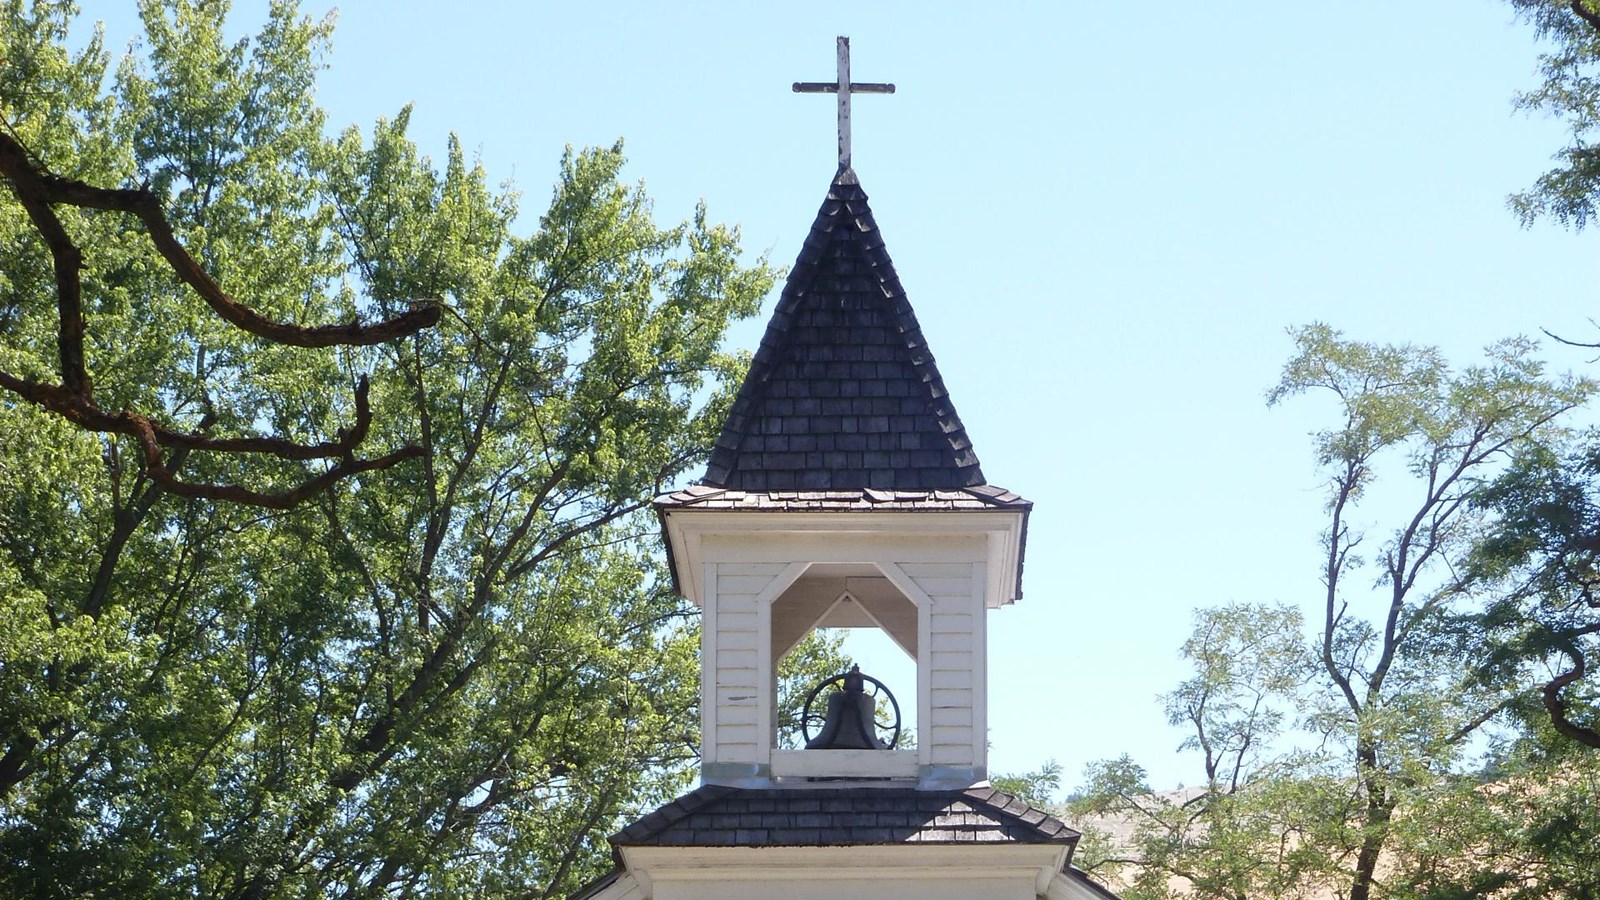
766,580
800,609
947,735
626,887
753,584
945,587
844,763
734,702
952,754
951,678
766,666
738,734
738,648
909,588
846,547
729,696
708,666
896,871
952,699
708,535
954,660
924,570
959,737
737,620
979,666
763,570
892,613
1074,885
926,644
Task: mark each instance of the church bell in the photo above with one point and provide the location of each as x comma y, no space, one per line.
850,723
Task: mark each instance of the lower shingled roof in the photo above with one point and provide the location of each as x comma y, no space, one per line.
715,816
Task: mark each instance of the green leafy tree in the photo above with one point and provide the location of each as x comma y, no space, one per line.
1570,92
454,676
1037,787
1329,761
1544,625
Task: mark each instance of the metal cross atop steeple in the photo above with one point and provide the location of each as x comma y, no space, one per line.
844,87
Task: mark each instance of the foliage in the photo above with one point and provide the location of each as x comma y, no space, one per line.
1324,755
452,677
1571,91
1542,558
1037,788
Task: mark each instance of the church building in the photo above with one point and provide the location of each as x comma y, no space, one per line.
844,492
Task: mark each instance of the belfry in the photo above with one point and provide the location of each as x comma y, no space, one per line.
845,492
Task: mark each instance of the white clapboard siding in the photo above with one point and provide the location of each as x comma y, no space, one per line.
952,681
735,730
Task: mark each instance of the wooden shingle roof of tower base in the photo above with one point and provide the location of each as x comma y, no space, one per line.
797,817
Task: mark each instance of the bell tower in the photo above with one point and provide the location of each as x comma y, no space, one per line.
844,491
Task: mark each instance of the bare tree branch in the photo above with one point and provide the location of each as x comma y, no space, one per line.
73,399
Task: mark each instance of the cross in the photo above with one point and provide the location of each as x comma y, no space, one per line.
844,87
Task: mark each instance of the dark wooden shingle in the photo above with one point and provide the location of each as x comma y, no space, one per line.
843,393
713,816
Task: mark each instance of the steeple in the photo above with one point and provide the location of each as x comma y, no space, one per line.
843,392
844,492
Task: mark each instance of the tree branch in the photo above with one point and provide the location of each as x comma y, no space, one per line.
1556,705
1586,14
73,399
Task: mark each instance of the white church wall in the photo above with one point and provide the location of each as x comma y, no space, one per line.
955,732
733,641
820,886
948,579
904,871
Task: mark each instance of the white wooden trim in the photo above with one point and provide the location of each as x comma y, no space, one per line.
914,592
829,536
867,611
980,669
766,680
814,622
849,520
766,666
880,863
775,588
844,764
708,665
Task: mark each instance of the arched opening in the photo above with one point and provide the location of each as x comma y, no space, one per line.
881,627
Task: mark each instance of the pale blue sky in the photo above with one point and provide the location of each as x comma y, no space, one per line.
1105,214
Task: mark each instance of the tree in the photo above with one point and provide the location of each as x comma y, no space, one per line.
1542,557
1037,787
1381,696
454,675
1571,92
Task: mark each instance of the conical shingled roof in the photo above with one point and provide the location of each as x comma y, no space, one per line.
843,393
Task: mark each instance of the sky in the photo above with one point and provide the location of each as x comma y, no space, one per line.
1106,215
